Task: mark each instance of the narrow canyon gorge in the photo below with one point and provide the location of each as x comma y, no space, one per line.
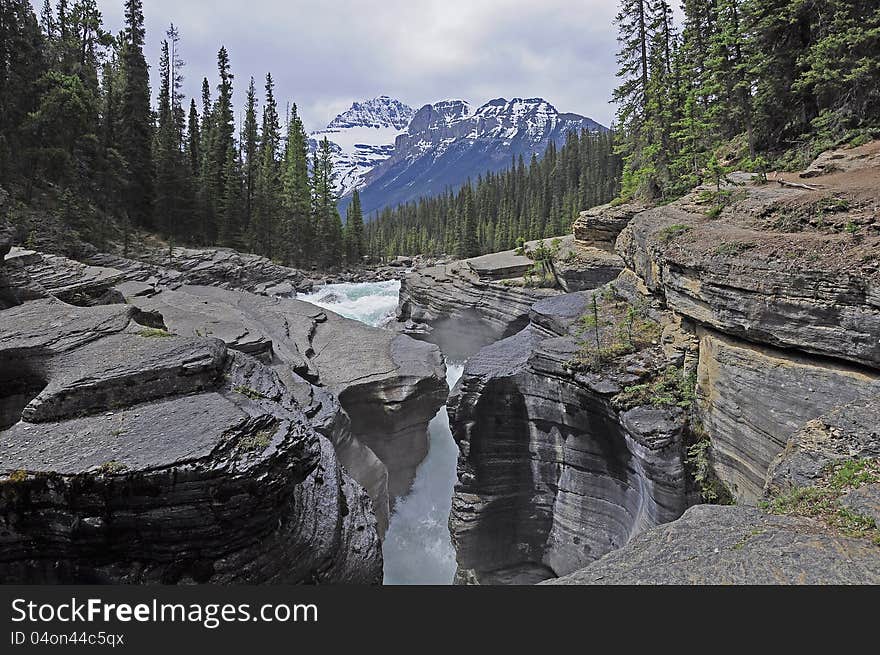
214,417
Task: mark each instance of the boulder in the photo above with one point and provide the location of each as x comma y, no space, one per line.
500,265
712,545
138,457
582,269
599,227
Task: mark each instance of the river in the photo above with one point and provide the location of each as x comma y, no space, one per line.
417,548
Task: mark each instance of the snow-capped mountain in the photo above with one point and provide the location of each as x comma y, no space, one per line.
363,137
446,143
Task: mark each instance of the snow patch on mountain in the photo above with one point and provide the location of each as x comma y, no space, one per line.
363,137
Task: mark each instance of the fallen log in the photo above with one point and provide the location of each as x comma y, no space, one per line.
797,185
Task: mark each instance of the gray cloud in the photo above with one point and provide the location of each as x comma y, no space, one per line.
324,55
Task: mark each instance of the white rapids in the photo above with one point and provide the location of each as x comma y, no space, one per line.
417,548
373,303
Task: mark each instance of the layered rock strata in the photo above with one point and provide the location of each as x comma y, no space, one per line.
553,473
472,303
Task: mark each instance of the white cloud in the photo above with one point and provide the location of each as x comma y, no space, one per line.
324,55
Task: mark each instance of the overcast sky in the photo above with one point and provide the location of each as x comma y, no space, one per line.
325,55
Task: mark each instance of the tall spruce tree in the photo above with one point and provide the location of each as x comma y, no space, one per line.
354,230
135,122
222,141
328,224
250,144
298,234
266,208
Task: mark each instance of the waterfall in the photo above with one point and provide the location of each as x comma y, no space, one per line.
417,548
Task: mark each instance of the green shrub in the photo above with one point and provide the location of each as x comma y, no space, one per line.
671,388
257,441
699,464
822,500
612,328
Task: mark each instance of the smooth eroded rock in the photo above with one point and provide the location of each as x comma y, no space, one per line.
716,545
136,457
552,475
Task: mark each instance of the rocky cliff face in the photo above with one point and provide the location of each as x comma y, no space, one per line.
766,307
780,284
469,304
554,471
199,434
787,304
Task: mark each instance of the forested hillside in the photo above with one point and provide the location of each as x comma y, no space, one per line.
530,202
84,156
756,83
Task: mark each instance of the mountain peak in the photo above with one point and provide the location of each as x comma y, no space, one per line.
379,112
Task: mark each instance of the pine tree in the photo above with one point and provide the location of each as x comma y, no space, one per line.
298,235
250,143
327,222
222,141
232,207
193,140
266,208
135,123
354,230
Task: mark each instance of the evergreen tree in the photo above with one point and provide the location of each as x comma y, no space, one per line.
221,142
298,234
354,230
250,144
266,207
328,224
135,123
500,208
193,140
